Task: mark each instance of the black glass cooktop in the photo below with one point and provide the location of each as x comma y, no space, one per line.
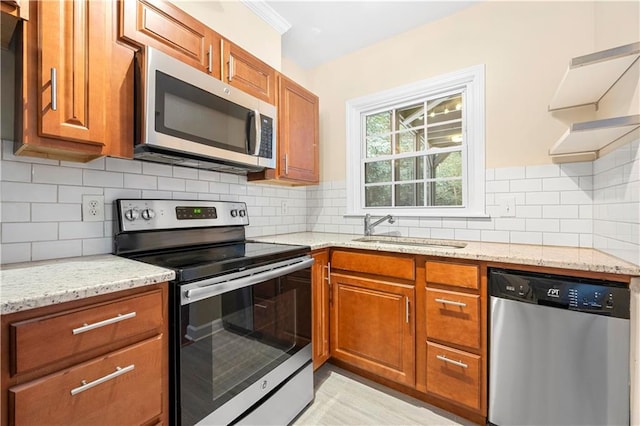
198,263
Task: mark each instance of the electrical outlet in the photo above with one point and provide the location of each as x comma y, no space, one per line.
284,207
508,207
92,208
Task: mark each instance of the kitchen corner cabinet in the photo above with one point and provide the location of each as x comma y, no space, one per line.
99,361
72,84
166,27
451,353
244,71
320,300
298,137
372,320
16,8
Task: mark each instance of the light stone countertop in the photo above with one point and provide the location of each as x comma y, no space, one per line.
31,285
582,259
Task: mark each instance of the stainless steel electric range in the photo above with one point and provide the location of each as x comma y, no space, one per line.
240,311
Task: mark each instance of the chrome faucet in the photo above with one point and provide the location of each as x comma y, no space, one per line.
368,226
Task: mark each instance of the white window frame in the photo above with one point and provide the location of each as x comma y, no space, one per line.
471,80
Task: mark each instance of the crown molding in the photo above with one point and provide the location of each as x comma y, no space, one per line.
268,14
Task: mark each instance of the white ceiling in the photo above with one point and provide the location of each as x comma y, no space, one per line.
324,30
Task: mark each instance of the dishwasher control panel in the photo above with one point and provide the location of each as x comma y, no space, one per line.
564,292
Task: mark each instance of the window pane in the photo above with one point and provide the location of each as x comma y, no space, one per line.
448,164
410,194
444,121
378,145
377,171
409,168
378,124
448,193
376,196
410,141
409,117
444,193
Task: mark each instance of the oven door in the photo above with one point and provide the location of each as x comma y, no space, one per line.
240,340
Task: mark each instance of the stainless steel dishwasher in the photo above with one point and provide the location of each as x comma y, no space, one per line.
559,350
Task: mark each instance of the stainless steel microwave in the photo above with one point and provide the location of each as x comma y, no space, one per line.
188,118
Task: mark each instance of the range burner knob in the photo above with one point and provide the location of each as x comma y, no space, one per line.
131,214
243,213
234,213
148,214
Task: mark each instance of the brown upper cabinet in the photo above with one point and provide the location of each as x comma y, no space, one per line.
16,8
246,72
69,64
161,25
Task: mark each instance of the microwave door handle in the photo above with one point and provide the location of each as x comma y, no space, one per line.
258,119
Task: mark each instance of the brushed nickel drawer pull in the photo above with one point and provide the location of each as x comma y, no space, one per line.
88,327
54,89
406,309
210,59
86,386
451,361
232,68
451,302
258,305
328,277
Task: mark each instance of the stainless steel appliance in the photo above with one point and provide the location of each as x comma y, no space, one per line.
189,118
240,311
559,350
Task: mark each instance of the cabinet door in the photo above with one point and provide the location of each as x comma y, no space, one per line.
161,25
248,73
320,285
372,326
298,132
73,69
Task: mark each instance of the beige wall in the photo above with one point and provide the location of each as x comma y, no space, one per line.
236,22
525,46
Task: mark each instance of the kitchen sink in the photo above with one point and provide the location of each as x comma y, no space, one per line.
411,241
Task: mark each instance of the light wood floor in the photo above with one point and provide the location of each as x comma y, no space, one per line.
343,398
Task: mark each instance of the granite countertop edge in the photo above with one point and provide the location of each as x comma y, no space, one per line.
30,285
581,259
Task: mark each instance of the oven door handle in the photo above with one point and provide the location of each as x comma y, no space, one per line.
216,288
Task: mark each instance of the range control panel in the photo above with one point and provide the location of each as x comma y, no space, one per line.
576,294
141,215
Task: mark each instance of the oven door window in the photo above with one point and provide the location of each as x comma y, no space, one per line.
190,113
232,340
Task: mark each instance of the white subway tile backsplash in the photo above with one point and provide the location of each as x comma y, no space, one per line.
454,222
576,197
146,193
73,194
56,249
542,198
526,237
185,172
170,184
137,181
112,194
419,232
122,165
156,169
560,184
495,236
196,186
497,186
12,171
508,173
97,164
100,178
546,171
55,212
555,212
580,226
526,185
15,212
560,239
208,175
27,232
510,224
219,188
56,174
542,225
13,253
529,211
443,233
28,192
79,230
577,169
93,246
467,234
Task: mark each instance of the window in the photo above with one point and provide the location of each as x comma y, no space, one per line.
418,150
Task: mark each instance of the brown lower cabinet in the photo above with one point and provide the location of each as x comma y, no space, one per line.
320,299
372,326
99,361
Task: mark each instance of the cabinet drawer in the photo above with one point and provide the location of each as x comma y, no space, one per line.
454,375
455,274
77,331
391,265
453,317
127,389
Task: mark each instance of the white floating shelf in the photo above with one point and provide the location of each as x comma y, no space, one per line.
591,136
589,77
